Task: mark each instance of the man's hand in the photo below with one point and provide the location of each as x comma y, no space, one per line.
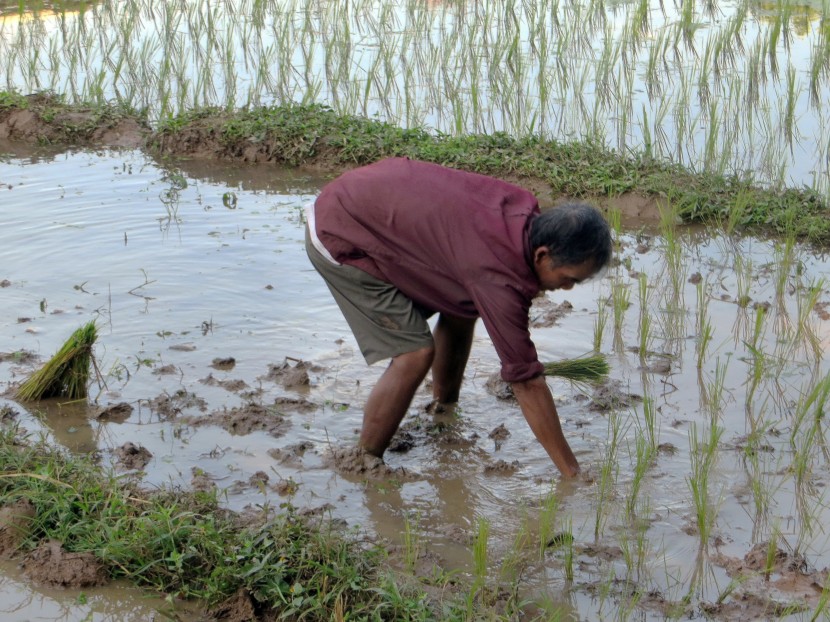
539,410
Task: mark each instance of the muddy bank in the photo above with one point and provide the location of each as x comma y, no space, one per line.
315,138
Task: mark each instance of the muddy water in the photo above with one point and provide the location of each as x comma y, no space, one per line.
189,265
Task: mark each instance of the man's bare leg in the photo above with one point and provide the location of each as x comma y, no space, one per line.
453,339
390,398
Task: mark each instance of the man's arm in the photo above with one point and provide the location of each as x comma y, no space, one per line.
538,408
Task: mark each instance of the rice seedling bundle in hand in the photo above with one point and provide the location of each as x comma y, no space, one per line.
67,373
590,369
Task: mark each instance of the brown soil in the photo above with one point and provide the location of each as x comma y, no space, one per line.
499,388
171,406
201,481
22,357
132,457
502,467
545,313
611,395
245,419
294,404
355,461
291,454
166,370
290,376
49,564
116,413
7,414
771,580
81,126
223,364
14,526
229,385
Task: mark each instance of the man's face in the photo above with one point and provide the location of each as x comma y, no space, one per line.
553,277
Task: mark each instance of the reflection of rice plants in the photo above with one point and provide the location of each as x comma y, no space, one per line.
620,298
704,325
599,323
608,471
566,71
645,316
702,452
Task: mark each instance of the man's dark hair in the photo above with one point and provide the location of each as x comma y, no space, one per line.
574,233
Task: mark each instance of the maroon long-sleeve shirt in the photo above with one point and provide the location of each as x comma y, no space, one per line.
454,242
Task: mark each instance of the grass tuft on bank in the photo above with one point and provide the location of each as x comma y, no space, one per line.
315,135
185,545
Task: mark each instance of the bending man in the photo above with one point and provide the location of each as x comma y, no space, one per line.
400,240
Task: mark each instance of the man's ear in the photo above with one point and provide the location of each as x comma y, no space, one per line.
540,253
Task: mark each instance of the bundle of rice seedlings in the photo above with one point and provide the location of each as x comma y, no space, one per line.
591,369
67,373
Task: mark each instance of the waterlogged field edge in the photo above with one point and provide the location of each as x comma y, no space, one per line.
316,136
265,564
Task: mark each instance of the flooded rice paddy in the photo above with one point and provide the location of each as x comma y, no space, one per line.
226,363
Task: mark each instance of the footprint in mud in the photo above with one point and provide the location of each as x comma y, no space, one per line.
355,461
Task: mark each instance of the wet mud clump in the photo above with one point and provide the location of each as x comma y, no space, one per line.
355,461
116,413
171,406
545,313
7,414
291,454
45,120
224,363
15,520
132,457
497,387
51,565
499,434
612,396
21,357
290,376
770,580
502,467
234,386
245,419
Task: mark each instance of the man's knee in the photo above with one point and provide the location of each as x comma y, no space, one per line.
419,361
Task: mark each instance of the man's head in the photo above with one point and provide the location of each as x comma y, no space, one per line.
569,244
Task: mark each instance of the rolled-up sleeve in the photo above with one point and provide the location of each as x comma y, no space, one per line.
504,312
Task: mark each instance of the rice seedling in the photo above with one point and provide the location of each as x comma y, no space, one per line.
587,369
480,548
716,388
411,541
547,522
67,373
608,472
702,452
599,323
645,317
620,300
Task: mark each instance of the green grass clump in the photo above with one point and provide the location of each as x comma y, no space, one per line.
315,134
589,369
66,374
185,545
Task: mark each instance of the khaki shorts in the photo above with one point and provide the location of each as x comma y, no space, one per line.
384,321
